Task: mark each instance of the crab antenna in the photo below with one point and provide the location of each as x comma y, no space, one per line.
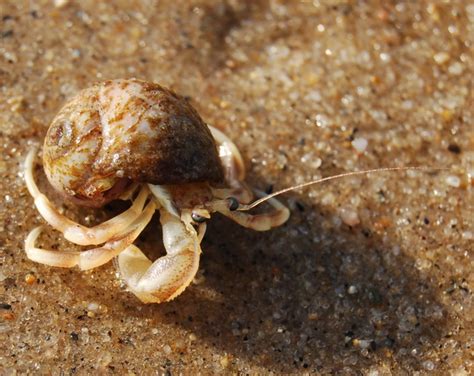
243,207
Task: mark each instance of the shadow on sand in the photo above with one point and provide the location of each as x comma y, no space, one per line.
283,299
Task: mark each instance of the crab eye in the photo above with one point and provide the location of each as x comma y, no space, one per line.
233,203
198,218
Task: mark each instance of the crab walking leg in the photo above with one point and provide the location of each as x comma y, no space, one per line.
230,157
201,231
74,232
167,277
234,169
260,222
91,258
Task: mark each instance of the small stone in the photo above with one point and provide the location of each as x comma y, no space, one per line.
10,57
60,3
422,264
373,79
453,181
311,161
313,316
352,290
192,337
322,120
76,53
328,199
360,144
349,216
93,306
167,349
105,359
447,115
16,103
470,176
441,57
224,361
199,361
89,219
468,235
428,365
30,278
224,104
373,372
361,343
459,372
456,68
385,57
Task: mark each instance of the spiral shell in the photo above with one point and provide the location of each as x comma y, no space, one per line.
123,131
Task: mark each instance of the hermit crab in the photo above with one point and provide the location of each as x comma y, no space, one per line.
138,141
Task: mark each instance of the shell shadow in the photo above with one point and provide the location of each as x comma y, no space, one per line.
291,300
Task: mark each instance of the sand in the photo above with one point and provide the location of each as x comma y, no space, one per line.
370,276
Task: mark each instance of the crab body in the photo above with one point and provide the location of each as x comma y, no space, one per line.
138,141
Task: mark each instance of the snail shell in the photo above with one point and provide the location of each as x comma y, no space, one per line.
124,131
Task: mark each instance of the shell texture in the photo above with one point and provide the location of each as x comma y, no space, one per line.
123,131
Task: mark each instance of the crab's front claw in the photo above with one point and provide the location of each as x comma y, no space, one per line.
167,277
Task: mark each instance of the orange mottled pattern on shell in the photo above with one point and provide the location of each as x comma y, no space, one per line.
123,131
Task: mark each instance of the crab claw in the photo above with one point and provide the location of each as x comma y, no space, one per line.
167,277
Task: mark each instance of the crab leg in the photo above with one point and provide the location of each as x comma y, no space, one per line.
74,232
201,231
234,169
259,222
91,258
230,157
167,277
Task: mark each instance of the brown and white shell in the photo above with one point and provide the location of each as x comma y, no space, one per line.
123,131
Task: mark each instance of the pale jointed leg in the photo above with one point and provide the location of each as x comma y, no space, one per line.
167,277
234,169
260,222
230,157
72,231
201,231
91,258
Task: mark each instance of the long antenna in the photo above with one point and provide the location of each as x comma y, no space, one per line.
244,207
